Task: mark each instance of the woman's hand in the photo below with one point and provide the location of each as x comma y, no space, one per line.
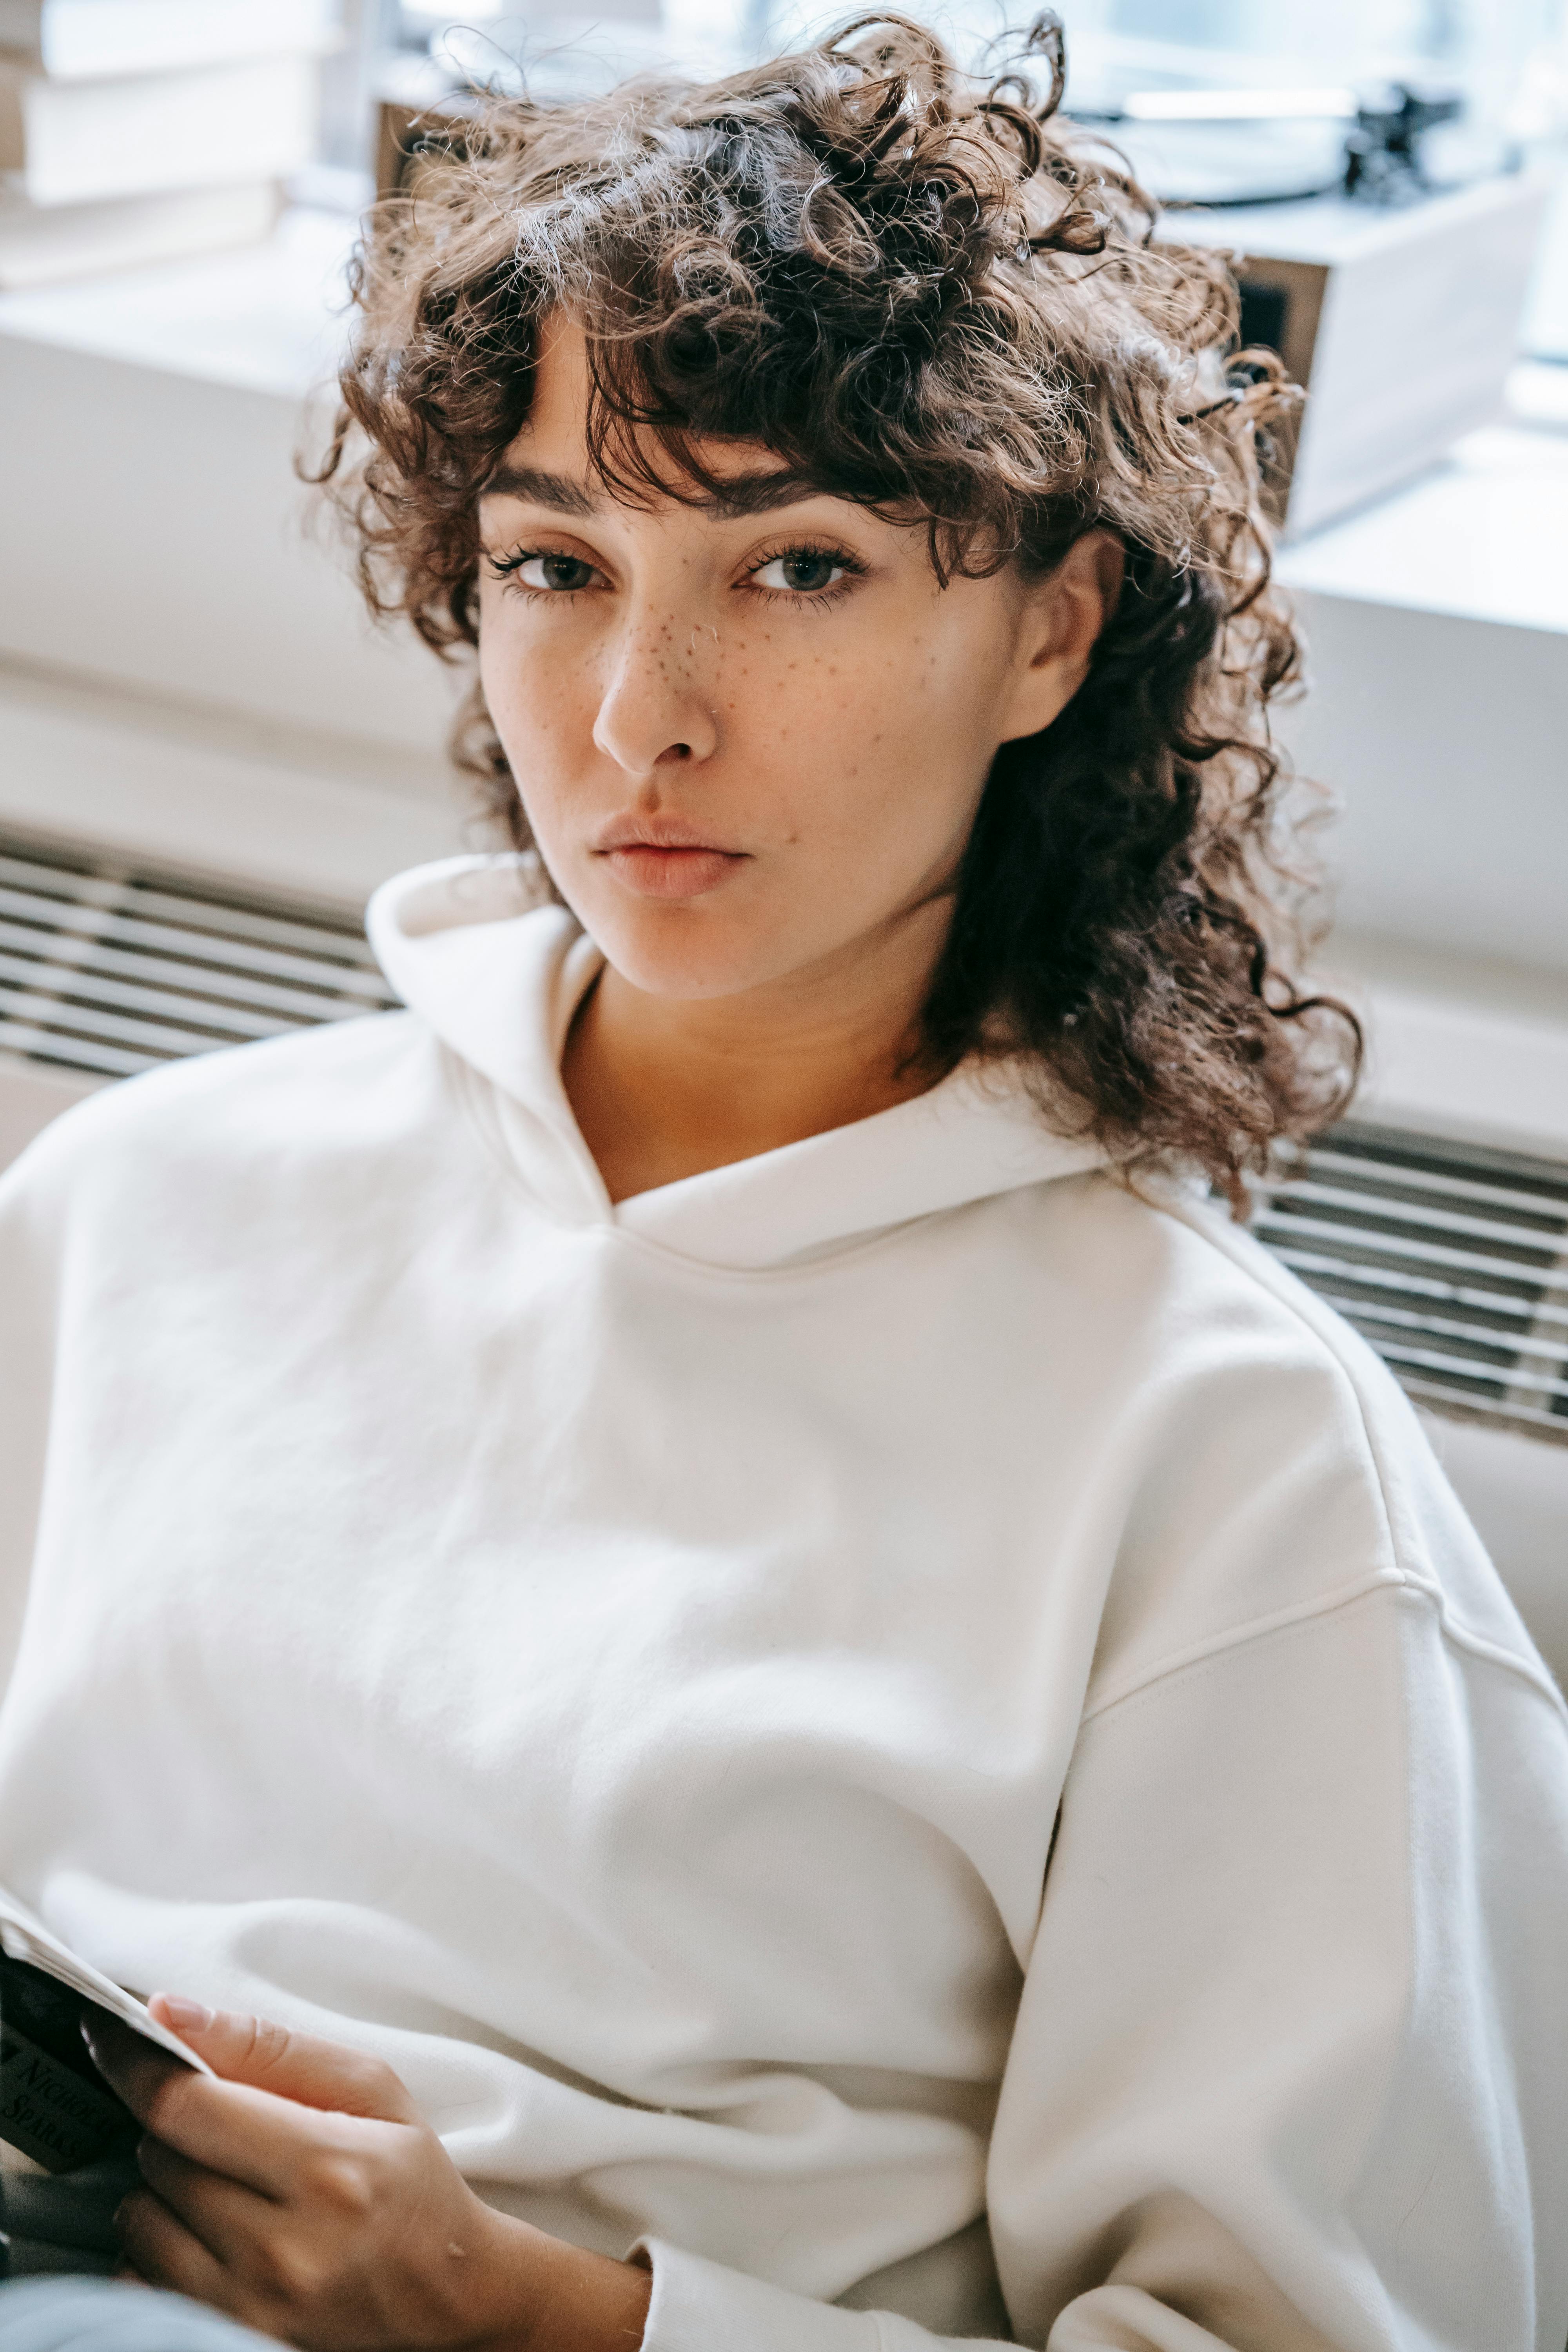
303,2194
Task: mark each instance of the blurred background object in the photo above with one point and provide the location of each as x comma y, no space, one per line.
207,757
1401,319
131,130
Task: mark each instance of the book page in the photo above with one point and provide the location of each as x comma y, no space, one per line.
55,2106
24,1937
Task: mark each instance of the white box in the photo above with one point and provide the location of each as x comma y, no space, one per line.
1402,323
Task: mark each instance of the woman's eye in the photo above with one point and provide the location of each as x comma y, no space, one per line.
557,574
804,572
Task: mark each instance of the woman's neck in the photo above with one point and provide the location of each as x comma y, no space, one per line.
663,1087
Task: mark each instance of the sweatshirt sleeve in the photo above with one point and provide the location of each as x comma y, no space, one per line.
1289,2071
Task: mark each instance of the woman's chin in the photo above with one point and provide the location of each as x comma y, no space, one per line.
664,953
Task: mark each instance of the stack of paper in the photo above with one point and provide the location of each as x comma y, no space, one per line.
133,130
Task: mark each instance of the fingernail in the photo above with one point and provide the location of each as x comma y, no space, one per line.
185,2016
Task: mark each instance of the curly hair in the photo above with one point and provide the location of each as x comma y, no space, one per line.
937,298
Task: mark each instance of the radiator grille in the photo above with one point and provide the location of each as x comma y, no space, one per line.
109,971
1452,1260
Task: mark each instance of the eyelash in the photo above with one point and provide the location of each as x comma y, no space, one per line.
505,566
850,565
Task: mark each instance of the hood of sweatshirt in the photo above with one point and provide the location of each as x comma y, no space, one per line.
496,969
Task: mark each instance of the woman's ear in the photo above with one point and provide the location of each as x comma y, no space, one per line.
1063,615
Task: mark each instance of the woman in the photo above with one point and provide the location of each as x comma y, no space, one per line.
820,1708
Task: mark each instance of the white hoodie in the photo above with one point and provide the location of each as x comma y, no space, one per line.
888,1685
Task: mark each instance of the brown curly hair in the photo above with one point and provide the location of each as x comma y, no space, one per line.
937,299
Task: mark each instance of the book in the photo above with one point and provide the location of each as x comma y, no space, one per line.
86,39
55,2106
70,141
42,244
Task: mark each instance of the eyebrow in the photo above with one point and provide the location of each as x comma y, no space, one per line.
743,494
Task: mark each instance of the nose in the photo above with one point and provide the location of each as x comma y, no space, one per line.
657,706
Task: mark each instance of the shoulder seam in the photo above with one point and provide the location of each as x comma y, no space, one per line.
1454,1628
1396,1580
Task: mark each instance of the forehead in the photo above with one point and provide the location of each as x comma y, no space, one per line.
554,437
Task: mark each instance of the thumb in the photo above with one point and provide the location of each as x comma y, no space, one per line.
303,2067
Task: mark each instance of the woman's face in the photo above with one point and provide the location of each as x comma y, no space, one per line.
750,738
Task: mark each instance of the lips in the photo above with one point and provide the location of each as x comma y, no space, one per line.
660,857
653,871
